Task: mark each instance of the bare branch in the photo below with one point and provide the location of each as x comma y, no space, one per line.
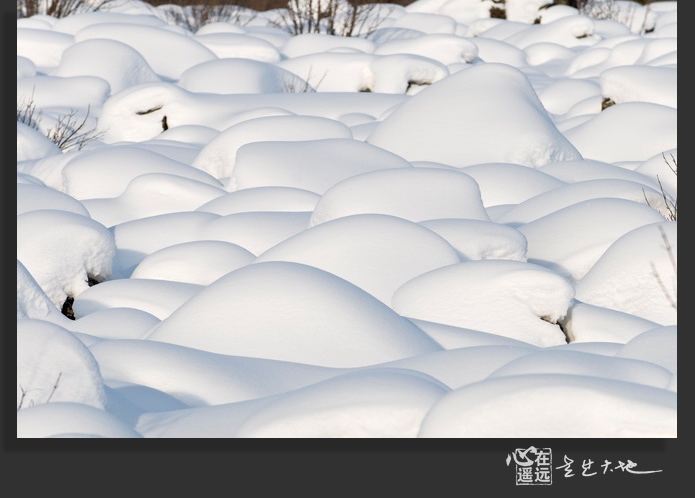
59,8
21,400
671,205
332,17
55,387
672,299
673,168
68,132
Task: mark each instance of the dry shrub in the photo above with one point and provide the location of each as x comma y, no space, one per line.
332,17
68,131
59,8
192,14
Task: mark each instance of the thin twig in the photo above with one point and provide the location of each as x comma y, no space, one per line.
55,387
669,250
671,205
21,400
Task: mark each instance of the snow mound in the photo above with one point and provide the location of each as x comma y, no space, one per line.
313,165
63,250
509,298
200,378
379,403
415,194
53,365
508,183
262,199
83,176
31,197
157,297
637,274
478,239
196,262
124,67
658,345
317,318
621,132
71,420
456,121
549,361
32,301
32,144
218,157
239,75
156,45
596,225
114,323
377,253
152,194
553,406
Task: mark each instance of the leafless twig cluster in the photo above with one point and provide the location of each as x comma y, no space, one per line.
332,17
31,402
671,205
672,297
194,15
69,130
59,8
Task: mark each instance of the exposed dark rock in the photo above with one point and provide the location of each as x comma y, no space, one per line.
607,102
